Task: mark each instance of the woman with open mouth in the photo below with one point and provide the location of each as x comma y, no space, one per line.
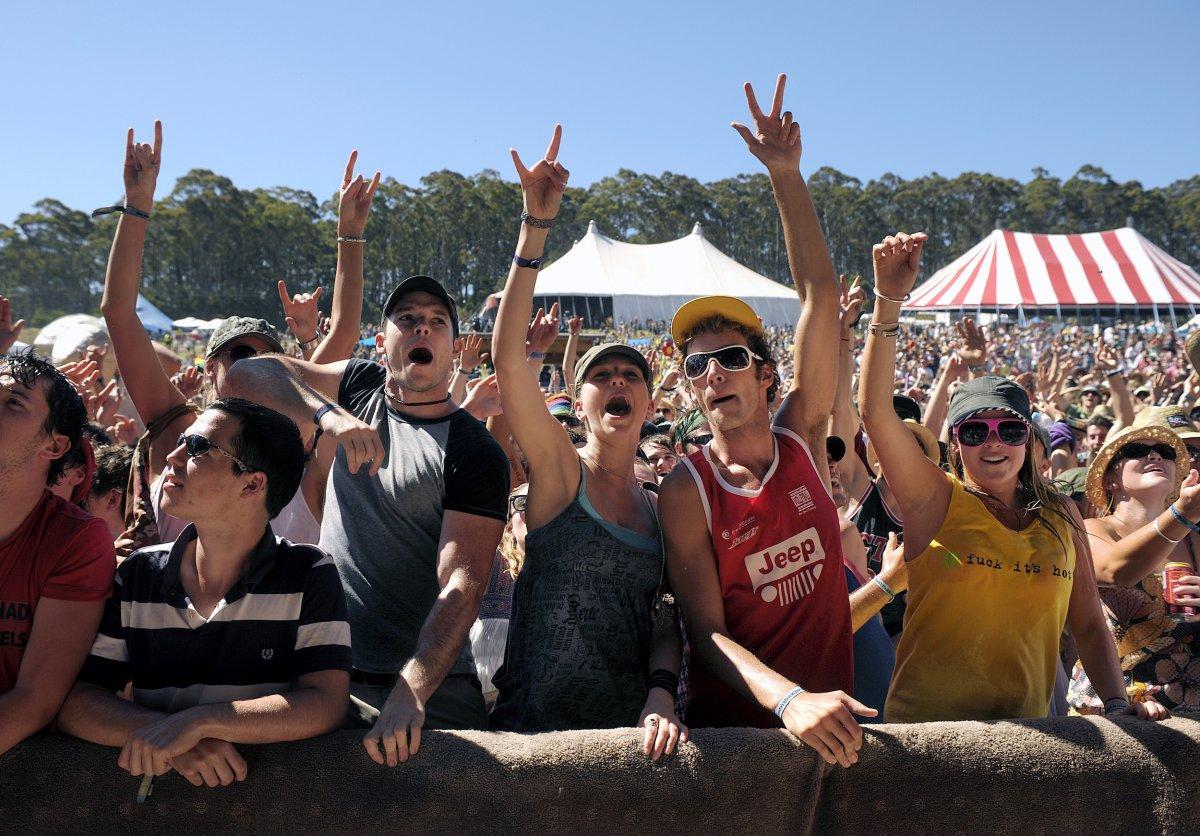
998,563
590,643
1142,482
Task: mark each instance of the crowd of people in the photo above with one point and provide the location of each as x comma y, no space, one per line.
399,526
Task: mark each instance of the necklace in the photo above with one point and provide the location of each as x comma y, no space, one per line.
415,403
597,464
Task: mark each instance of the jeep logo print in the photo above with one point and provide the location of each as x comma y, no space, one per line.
789,570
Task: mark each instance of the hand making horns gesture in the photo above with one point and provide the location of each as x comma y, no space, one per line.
141,169
355,200
776,138
545,183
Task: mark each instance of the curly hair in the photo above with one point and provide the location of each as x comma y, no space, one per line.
67,415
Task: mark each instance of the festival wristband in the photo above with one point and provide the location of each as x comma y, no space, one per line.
1115,704
531,263
787,700
537,355
320,413
1158,528
125,209
1182,520
879,582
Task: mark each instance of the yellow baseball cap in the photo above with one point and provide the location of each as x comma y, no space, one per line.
690,314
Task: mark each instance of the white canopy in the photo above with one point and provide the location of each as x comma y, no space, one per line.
154,320
191,323
601,277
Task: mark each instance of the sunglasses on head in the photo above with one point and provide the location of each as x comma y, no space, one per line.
198,445
732,358
242,351
516,503
975,432
1138,450
699,440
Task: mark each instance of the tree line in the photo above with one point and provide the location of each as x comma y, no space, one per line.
214,249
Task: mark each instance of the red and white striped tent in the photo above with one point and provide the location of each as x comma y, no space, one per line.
1095,272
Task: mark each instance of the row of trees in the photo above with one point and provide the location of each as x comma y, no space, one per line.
214,249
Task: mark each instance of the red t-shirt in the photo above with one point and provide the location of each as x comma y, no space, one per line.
779,561
59,551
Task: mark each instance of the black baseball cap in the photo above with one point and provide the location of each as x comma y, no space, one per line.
428,285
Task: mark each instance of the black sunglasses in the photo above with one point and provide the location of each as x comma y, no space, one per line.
732,358
198,445
1138,450
242,351
699,440
516,503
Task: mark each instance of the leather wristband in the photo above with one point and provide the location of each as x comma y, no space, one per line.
663,678
536,223
532,263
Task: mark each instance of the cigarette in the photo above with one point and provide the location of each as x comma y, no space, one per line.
145,789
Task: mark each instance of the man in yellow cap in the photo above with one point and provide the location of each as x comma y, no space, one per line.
761,586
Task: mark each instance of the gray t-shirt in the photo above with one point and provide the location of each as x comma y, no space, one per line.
383,531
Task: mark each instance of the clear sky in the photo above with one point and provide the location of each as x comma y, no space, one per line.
272,93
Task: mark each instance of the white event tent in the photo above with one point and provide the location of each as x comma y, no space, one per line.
599,278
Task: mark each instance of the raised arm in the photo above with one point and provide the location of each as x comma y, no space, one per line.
553,463
570,352
9,330
920,487
149,388
939,400
775,141
354,206
845,422
1109,364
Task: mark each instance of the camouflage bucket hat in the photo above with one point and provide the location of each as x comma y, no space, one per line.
243,326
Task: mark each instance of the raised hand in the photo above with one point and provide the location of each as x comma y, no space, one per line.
108,400
1107,361
775,139
851,305
544,184
973,348
188,382
543,331
300,312
574,324
468,361
9,330
1189,496
354,203
483,398
125,431
142,161
897,261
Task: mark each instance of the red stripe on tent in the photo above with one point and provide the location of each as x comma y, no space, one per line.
1125,265
1092,271
1023,286
1173,273
1058,278
959,298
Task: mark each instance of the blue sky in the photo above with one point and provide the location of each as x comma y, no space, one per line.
274,93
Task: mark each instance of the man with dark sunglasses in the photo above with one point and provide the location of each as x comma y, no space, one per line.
230,634
753,539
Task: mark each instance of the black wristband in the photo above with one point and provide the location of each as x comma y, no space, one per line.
663,678
125,209
320,413
533,263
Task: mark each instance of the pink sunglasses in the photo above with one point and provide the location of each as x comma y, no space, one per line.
975,432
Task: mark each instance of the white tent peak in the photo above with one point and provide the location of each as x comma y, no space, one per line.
650,281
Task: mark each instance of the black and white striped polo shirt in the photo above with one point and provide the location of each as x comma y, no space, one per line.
285,617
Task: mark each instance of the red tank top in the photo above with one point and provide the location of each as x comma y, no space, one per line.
779,560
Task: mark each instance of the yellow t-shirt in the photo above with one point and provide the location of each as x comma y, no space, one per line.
986,609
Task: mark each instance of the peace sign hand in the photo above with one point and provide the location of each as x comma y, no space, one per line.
544,184
141,169
776,138
300,312
354,203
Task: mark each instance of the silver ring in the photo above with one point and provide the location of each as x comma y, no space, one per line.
653,721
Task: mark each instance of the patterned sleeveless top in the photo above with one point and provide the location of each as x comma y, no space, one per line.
579,638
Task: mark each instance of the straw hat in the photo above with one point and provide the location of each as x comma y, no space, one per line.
1148,434
924,437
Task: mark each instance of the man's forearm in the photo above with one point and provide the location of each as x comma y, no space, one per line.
742,671
21,715
297,715
272,383
347,305
100,716
808,258
442,637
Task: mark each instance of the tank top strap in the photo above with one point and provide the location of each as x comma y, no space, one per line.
627,536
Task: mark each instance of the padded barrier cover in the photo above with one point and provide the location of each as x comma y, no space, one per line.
1070,775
